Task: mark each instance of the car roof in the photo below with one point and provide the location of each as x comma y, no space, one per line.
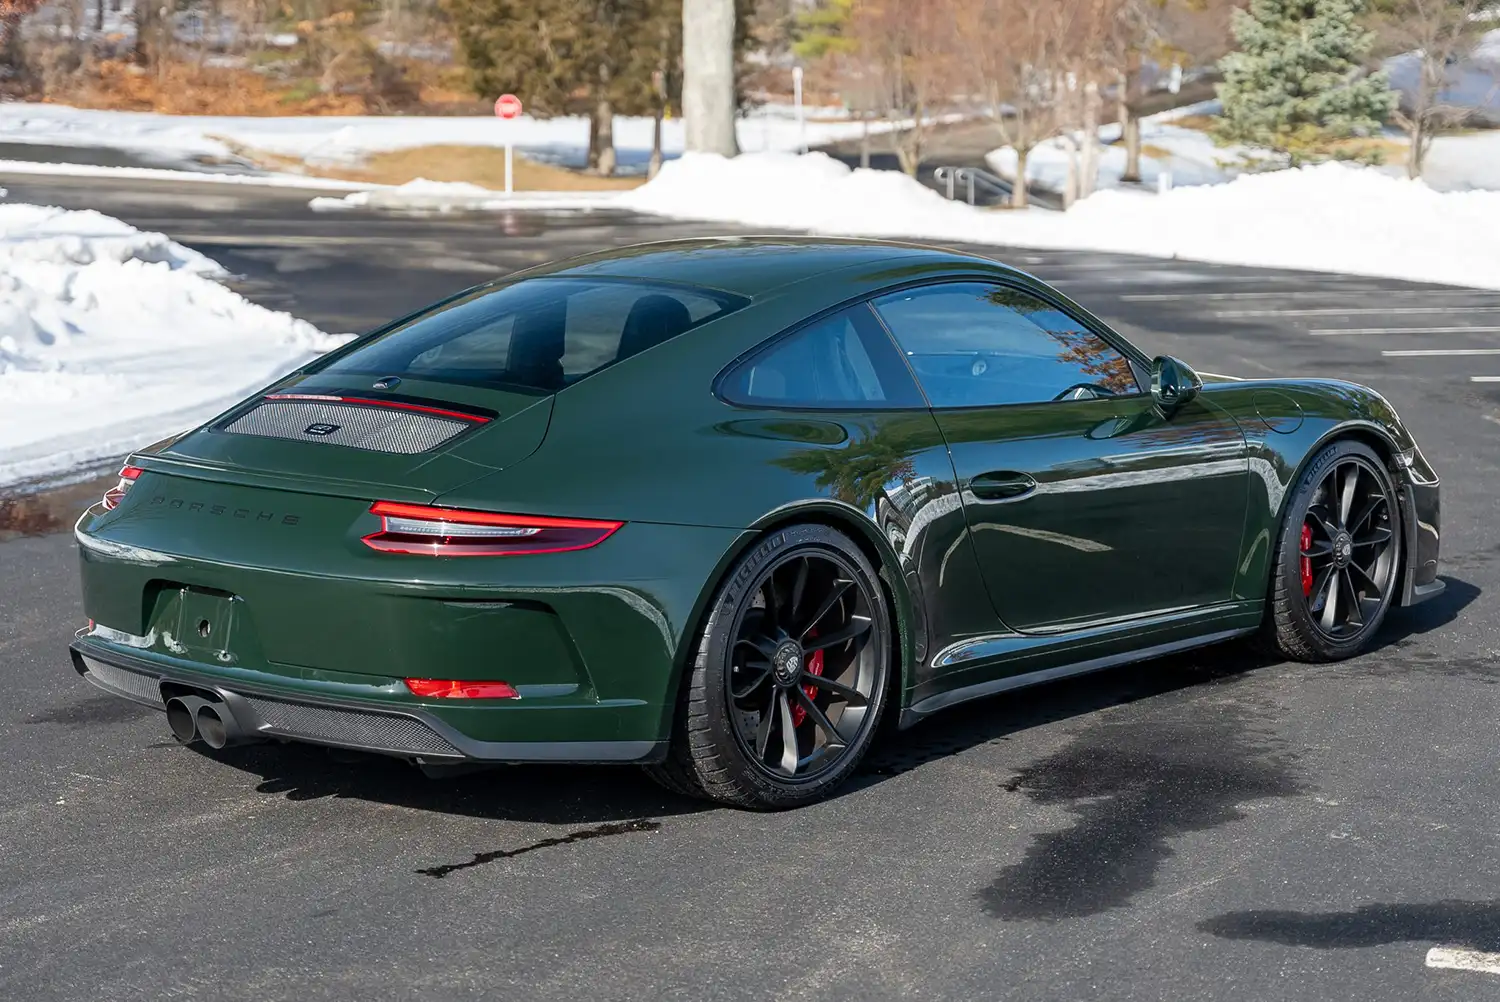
753,266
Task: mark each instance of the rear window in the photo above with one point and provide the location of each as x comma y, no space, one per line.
540,334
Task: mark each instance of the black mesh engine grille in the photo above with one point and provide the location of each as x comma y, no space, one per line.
142,687
379,429
350,727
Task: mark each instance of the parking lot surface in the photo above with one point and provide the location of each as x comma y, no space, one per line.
1213,825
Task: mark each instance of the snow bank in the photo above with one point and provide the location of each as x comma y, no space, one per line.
1330,217
347,140
111,338
422,195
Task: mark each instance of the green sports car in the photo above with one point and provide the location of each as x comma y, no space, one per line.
726,507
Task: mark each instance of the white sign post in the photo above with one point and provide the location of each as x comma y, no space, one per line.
797,99
507,107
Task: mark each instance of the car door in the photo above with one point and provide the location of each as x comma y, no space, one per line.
1084,504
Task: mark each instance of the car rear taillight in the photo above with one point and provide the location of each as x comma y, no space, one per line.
443,688
452,532
114,494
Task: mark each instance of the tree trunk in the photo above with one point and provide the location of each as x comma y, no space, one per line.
593,155
1089,179
99,15
708,76
1415,153
1019,196
654,166
604,112
1130,132
864,141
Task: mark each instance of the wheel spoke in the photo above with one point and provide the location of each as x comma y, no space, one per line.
1321,518
1319,549
1355,615
834,594
762,671
773,602
798,588
1331,602
1379,534
763,732
761,644
1346,493
835,739
789,754
858,625
847,693
1371,507
1371,588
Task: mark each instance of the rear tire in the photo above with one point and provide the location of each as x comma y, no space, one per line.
1335,570
789,679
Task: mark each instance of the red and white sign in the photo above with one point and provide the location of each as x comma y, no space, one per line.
507,106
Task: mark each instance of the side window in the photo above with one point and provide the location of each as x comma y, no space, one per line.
844,361
973,344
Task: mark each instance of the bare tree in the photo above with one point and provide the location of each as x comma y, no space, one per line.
1016,52
708,75
908,49
1437,34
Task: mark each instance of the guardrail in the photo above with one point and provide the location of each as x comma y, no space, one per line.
971,179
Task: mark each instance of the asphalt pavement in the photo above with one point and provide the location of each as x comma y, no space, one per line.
1209,826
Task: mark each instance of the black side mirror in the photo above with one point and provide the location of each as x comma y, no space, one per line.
1173,383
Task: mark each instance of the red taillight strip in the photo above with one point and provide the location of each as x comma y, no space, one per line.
128,475
430,531
430,513
399,405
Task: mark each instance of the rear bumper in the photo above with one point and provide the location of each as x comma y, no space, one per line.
270,712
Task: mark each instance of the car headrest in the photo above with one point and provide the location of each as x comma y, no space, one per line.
653,319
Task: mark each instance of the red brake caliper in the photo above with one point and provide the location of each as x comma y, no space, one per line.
814,667
1305,545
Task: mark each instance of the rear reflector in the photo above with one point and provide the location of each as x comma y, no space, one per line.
439,688
112,496
451,532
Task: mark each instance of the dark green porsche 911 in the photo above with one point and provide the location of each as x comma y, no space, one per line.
723,508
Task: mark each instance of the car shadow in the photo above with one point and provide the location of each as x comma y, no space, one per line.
568,795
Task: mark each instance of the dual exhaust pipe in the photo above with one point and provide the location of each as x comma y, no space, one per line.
194,718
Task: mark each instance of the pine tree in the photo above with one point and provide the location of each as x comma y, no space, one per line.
1296,81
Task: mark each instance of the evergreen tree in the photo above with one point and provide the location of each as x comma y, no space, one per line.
563,57
1296,81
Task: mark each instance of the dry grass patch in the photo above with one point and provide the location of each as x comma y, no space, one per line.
481,165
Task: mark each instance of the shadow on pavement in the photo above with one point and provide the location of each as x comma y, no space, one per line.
1473,924
1219,755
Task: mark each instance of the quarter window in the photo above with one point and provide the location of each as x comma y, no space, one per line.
973,344
844,361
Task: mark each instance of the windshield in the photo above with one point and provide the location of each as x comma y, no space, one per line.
540,334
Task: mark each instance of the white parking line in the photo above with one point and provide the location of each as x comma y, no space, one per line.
1455,958
1331,331
1426,352
1354,311
1485,379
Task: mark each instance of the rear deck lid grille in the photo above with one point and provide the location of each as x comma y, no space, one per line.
376,425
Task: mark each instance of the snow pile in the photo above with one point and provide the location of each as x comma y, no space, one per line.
422,195
1331,217
343,141
111,338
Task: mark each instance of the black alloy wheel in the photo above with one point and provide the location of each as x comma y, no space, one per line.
791,675
1340,556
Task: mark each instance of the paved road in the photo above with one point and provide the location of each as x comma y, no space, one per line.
1208,826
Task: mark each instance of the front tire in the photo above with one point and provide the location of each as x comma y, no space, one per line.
790,676
1335,571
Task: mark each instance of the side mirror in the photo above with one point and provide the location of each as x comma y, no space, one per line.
1173,383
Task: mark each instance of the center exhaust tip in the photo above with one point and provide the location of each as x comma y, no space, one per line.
182,720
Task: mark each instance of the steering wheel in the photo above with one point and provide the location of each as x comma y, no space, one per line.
1085,391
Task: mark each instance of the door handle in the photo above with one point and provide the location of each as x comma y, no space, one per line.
1001,485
